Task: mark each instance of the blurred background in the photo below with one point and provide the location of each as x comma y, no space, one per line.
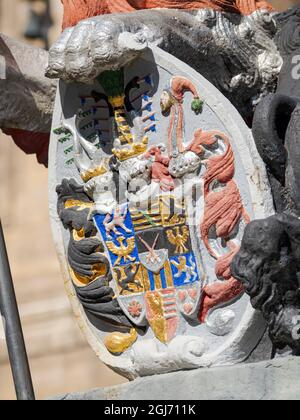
61,361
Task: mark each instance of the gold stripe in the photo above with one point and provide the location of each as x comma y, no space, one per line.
169,275
145,277
141,214
157,282
155,204
156,220
149,215
157,321
77,203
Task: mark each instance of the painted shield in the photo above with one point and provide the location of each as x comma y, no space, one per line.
153,179
153,263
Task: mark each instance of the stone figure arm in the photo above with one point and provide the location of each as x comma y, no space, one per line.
205,39
27,96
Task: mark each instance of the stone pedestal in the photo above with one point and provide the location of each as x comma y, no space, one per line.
269,380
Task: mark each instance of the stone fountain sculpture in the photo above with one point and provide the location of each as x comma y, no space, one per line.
164,213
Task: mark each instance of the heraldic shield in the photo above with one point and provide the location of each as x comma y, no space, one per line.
154,266
154,177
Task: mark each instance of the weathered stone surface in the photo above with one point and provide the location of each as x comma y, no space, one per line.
263,351
276,120
271,247
272,380
268,264
288,42
211,42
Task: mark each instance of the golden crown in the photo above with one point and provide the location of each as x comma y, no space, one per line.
131,150
93,173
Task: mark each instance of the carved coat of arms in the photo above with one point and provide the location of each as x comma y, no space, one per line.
156,177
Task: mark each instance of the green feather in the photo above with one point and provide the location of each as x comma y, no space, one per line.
112,82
